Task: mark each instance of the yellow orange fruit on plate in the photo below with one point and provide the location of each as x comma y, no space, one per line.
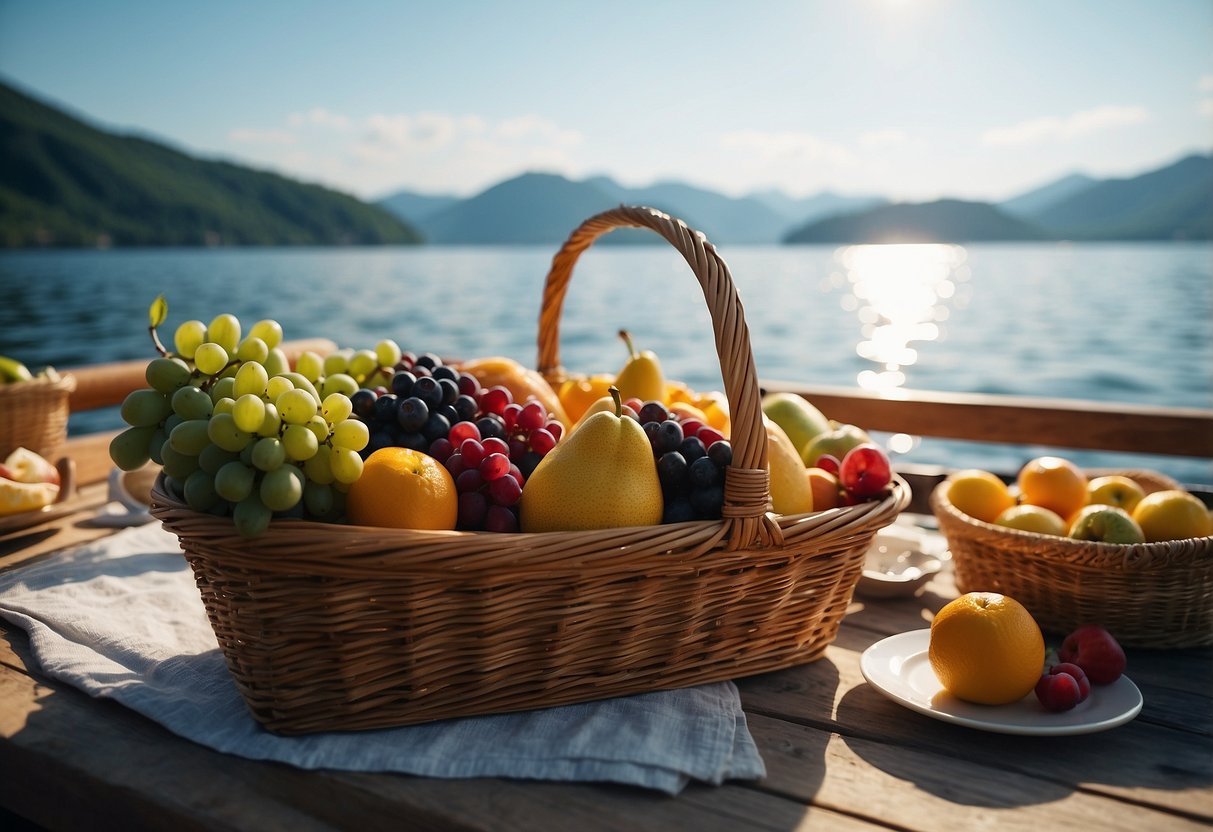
1029,518
1053,482
986,648
1172,515
403,489
978,493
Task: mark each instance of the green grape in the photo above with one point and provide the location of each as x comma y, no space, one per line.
338,383
268,453
224,388
296,407
387,352
251,516
224,405
129,449
319,427
166,375
175,487
310,365
171,421
145,408
276,386
224,331
190,438
192,403
269,331
336,407
337,362
318,499
224,433
346,465
246,454
350,434
250,378
271,423
299,443
301,383
210,358
249,412
276,362
212,458
252,348
319,467
362,363
177,464
159,437
199,488
281,490
234,481
188,337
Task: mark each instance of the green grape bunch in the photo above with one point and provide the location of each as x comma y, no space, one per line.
240,433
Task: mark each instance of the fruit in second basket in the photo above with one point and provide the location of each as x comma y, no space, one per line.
1172,515
986,648
1053,482
1115,490
1105,524
1029,518
601,476
977,493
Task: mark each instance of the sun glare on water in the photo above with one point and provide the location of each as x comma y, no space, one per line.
900,294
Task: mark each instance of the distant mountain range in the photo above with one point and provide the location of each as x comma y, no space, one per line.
1172,203
65,183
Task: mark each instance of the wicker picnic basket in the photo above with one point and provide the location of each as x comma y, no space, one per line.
1146,595
332,627
33,415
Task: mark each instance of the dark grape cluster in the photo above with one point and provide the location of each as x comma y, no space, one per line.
488,442
691,459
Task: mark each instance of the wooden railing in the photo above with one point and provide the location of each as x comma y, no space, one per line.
1012,420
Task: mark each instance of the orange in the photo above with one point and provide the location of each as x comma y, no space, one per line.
1054,483
1172,515
403,489
979,494
827,492
986,648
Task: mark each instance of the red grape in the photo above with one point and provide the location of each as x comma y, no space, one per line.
463,430
494,467
532,417
472,508
708,436
500,519
542,441
510,415
441,449
493,445
555,428
472,451
469,480
505,491
495,399
454,464
691,427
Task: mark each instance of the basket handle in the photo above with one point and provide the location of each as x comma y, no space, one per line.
747,497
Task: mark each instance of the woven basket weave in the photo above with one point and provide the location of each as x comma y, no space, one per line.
1146,595
329,627
33,415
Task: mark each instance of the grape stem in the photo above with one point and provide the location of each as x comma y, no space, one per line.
151,330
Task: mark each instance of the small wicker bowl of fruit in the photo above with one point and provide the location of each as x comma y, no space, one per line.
1131,551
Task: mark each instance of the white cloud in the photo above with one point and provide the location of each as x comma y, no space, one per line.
1205,84
878,139
320,117
250,135
1053,128
787,146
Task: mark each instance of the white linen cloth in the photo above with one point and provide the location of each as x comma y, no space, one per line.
121,618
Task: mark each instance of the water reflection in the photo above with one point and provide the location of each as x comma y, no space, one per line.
901,295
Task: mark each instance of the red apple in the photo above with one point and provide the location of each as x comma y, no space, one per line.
865,471
827,462
1059,689
7,473
1093,648
23,465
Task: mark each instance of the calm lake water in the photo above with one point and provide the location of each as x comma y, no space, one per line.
1101,322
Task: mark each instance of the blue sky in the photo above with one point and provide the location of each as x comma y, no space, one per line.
914,99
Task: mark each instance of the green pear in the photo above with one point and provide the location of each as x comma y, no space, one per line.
800,420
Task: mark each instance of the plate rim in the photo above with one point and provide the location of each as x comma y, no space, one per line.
919,639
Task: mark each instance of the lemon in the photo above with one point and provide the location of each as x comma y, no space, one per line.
1172,515
978,494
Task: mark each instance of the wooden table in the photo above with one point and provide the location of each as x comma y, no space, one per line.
838,754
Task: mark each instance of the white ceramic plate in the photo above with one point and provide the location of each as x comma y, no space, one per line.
898,667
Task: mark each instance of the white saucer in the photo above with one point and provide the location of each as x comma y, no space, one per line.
898,667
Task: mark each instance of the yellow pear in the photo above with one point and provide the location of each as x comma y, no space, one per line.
791,490
641,377
606,403
600,476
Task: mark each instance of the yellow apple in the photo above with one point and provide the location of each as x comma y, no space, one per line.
1030,518
1105,524
1115,490
1173,515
